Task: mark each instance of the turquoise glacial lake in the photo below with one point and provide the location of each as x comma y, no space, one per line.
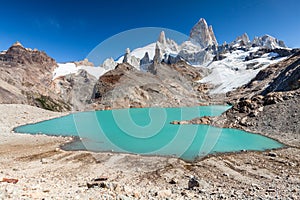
148,131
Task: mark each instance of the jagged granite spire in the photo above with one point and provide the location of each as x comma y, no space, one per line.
162,37
145,60
203,35
130,59
157,56
212,35
126,56
242,40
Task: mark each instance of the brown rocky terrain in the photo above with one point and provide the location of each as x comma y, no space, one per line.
170,86
25,77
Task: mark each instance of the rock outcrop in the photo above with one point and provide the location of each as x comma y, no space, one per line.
84,62
109,64
157,56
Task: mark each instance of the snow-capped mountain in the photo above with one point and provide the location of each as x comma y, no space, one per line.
268,41
230,65
166,46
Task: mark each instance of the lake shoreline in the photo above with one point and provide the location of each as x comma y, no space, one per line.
44,170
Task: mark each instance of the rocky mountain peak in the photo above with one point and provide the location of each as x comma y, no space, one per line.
130,59
109,64
126,56
145,60
17,43
25,77
268,42
157,56
18,55
202,34
162,37
212,35
242,40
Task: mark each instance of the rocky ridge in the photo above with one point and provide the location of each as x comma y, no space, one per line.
25,77
165,86
202,48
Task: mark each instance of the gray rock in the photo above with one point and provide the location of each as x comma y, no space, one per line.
145,60
157,56
173,181
193,182
203,35
76,89
162,37
272,154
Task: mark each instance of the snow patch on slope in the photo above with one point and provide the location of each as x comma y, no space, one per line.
140,52
64,69
234,71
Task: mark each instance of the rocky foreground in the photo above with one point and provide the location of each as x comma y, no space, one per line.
34,167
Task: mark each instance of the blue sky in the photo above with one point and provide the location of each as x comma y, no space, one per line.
68,30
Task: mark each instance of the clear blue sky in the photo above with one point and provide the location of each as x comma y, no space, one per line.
69,29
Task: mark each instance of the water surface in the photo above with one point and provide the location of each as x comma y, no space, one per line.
148,131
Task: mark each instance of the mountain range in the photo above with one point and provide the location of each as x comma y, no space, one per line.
197,72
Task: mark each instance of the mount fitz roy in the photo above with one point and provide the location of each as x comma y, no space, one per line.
166,74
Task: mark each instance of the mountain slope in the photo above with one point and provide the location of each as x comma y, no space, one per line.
268,104
25,77
237,68
171,85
